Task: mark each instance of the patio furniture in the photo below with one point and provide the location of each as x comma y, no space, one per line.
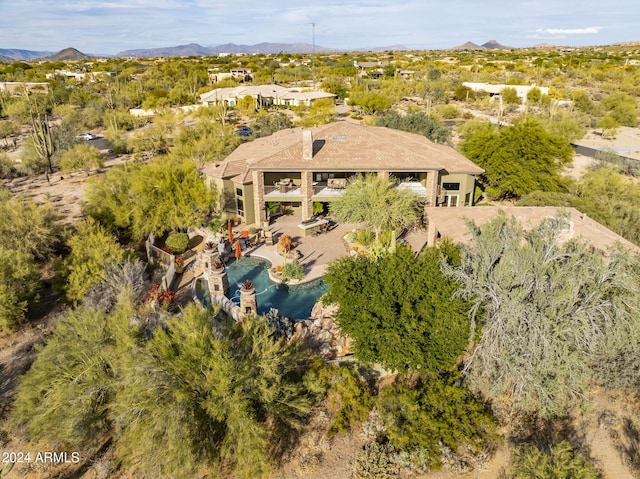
308,229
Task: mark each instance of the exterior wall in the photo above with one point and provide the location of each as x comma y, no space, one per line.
467,187
306,188
431,185
258,197
226,190
247,201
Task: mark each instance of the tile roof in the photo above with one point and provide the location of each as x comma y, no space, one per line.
452,222
344,146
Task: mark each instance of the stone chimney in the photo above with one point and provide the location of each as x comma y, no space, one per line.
307,145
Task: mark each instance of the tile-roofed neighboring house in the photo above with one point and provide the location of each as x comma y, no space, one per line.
452,224
297,167
264,95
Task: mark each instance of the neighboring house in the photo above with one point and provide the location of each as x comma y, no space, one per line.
521,90
18,88
297,167
453,224
80,76
264,96
240,74
373,70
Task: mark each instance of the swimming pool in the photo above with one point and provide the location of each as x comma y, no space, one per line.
294,302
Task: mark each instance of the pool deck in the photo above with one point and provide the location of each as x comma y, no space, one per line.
316,251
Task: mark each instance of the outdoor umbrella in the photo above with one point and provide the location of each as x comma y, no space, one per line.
230,231
238,249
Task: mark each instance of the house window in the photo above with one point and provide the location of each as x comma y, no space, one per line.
240,207
467,199
452,200
238,192
216,287
451,186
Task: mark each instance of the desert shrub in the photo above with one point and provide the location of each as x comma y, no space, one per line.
364,237
19,278
177,242
561,462
348,397
449,111
434,414
293,270
92,249
376,461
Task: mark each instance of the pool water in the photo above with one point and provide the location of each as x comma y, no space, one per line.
294,302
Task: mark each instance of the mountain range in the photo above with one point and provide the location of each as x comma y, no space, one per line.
490,45
194,49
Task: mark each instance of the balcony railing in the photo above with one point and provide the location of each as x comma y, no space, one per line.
282,190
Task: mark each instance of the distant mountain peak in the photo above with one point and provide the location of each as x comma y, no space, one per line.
468,46
69,54
494,45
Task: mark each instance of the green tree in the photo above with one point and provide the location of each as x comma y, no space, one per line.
159,196
7,129
623,108
150,142
81,157
192,397
65,395
370,200
208,141
267,124
550,307
510,96
609,125
335,85
19,279
27,226
434,414
534,95
463,93
517,159
416,122
409,304
321,112
370,102
92,249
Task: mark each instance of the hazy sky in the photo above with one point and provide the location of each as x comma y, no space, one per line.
110,26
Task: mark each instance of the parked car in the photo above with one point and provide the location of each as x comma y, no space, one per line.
244,131
87,136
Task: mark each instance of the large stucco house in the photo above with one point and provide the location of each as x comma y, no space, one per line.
297,167
264,96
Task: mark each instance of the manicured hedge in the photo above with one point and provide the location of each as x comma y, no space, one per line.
177,242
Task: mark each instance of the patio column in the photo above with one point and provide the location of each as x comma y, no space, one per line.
432,188
306,190
383,174
258,197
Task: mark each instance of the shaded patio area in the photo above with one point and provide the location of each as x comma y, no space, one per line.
316,251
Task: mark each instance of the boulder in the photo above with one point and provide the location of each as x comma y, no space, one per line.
321,334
